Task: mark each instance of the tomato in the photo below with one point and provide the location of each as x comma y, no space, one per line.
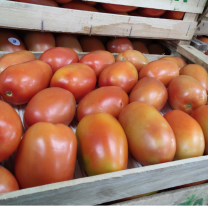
201,116
205,40
122,74
156,48
179,61
40,2
140,46
69,41
103,144
98,60
197,72
91,3
111,100
38,41
134,57
8,183
54,105
147,12
186,93
10,42
150,91
117,8
59,57
77,78
150,138
162,70
101,9
177,15
46,154
91,43
188,134
15,58
119,45
63,1
19,83
10,131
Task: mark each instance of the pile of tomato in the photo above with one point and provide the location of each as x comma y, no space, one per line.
117,104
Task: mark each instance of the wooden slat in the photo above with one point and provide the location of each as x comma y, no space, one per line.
202,28
29,16
193,6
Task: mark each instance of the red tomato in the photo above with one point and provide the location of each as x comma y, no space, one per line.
54,105
150,138
188,134
111,100
186,93
15,58
8,183
10,131
10,42
162,70
118,8
19,83
134,57
77,78
177,15
40,2
98,60
46,154
140,46
38,41
179,61
91,3
147,12
101,9
156,48
150,91
122,74
119,45
59,57
205,40
103,144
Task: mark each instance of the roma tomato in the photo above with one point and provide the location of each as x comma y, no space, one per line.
118,8
77,78
150,91
46,154
140,46
15,58
177,15
10,131
201,116
59,57
98,60
205,40
188,134
8,183
40,2
186,93
150,138
102,144
122,74
179,61
38,41
156,48
147,12
119,45
19,83
111,100
162,70
134,57
69,41
54,105
10,42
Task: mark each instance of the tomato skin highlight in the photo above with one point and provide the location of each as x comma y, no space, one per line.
118,45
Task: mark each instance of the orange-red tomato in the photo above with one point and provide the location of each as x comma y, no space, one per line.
118,8
179,61
119,45
54,105
38,41
59,57
20,82
101,9
8,183
122,74
98,60
91,43
111,100
10,42
103,144
134,57
46,154
156,48
15,58
10,131
69,41
77,78
188,134
40,2
205,40
177,15
150,91
147,12
150,138
140,46
186,93
162,70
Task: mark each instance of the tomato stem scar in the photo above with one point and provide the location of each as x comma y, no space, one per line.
9,93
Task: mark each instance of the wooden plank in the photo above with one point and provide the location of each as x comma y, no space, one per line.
29,16
202,28
193,6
